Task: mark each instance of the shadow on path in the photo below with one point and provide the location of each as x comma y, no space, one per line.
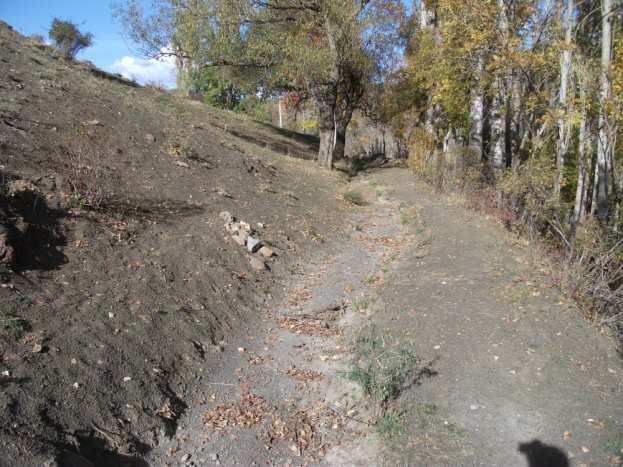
543,455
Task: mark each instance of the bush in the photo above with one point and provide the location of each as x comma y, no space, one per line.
594,274
88,181
68,38
527,192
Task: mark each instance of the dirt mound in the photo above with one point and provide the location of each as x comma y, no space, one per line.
120,284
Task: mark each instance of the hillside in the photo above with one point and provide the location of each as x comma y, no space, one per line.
120,283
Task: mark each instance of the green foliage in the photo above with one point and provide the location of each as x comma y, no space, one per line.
216,90
329,51
381,370
255,107
68,38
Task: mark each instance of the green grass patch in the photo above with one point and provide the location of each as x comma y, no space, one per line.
390,425
354,197
315,236
382,370
14,325
614,446
360,305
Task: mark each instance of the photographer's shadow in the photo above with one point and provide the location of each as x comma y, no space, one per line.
539,454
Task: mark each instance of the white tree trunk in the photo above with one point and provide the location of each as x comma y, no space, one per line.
476,112
499,104
564,118
605,138
583,157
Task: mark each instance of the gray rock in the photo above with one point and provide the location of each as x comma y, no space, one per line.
183,164
232,228
253,244
226,217
224,193
257,264
150,138
245,226
240,238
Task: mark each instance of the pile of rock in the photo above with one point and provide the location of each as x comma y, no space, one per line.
243,234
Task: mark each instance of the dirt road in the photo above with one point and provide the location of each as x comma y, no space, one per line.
513,373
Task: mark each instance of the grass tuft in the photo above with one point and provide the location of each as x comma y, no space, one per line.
355,198
390,424
381,370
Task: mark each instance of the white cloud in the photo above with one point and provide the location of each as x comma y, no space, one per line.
147,71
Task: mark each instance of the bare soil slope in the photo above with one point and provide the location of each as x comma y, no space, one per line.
110,315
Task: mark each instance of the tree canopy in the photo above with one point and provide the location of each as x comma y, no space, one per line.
329,51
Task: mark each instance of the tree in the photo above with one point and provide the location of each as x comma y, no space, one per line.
68,38
564,118
329,50
214,89
604,141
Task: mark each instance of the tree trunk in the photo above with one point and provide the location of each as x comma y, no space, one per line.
326,127
580,193
339,141
564,119
476,113
325,97
499,105
604,141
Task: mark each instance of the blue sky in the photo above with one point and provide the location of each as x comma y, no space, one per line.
109,52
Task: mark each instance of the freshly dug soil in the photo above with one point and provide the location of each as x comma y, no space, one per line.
120,286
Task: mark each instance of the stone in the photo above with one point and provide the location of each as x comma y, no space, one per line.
245,226
226,217
185,457
253,244
267,252
6,250
182,164
240,238
224,193
92,123
150,138
257,264
232,228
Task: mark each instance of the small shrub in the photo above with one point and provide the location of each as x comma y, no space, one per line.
355,198
68,38
527,194
382,371
593,272
88,181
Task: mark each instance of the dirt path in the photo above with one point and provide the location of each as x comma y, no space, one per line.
509,361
